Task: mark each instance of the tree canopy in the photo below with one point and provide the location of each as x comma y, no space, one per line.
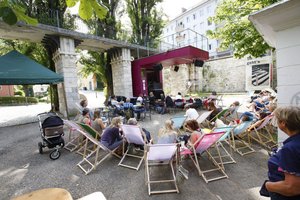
235,31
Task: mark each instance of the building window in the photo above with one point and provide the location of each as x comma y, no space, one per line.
194,16
209,47
208,22
167,30
208,8
201,13
187,19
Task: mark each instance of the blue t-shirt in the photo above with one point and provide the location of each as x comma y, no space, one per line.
287,159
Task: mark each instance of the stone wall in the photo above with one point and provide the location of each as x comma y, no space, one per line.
220,75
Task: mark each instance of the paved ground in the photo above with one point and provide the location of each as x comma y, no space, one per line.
23,169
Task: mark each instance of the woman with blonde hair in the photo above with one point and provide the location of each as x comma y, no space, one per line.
167,134
284,165
111,137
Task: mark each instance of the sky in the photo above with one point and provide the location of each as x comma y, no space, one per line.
173,7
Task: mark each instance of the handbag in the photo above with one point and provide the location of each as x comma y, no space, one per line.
263,190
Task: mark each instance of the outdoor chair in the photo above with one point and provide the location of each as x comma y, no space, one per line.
219,115
178,122
75,139
226,157
94,158
158,156
148,111
263,135
239,134
179,104
203,118
133,136
90,146
203,144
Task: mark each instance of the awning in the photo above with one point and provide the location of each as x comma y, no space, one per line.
17,69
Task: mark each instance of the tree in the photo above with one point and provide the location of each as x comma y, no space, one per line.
12,11
236,31
146,21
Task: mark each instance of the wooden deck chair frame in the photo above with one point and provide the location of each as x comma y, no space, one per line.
161,154
263,135
203,118
241,136
178,122
219,115
224,139
89,146
133,136
92,159
202,145
75,139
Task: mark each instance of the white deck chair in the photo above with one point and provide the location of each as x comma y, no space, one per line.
203,118
263,135
92,159
240,132
159,155
202,145
219,101
75,139
134,136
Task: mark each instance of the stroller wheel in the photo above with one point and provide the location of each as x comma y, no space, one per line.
62,144
40,147
54,154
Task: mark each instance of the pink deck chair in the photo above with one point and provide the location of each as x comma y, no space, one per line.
75,139
158,155
202,145
133,136
263,135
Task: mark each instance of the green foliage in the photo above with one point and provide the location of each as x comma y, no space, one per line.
12,11
235,31
19,93
146,21
88,7
18,100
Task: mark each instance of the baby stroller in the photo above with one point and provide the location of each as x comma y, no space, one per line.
51,128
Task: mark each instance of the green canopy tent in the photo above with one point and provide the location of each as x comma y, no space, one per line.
17,69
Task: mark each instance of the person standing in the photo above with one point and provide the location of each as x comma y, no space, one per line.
284,165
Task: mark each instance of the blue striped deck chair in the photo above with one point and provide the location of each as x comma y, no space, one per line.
240,133
178,122
226,157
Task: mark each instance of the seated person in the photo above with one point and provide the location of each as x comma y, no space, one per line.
133,121
140,98
85,117
232,108
178,96
128,109
98,124
213,97
191,113
111,137
194,132
167,134
138,109
84,103
212,107
152,99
